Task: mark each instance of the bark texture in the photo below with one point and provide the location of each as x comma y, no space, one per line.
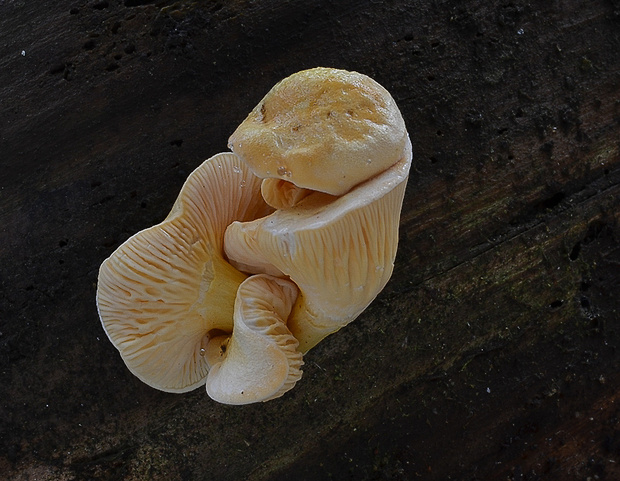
493,353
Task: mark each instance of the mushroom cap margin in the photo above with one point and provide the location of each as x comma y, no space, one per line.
261,361
165,288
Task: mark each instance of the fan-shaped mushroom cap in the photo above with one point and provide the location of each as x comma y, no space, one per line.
167,289
339,251
261,361
322,129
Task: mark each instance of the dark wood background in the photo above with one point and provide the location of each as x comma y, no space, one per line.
493,351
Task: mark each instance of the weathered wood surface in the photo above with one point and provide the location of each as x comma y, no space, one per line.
492,353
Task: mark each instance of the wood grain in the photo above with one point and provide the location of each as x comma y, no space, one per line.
492,353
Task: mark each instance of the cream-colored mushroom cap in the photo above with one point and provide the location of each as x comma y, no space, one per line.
260,362
339,251
168,289
322,129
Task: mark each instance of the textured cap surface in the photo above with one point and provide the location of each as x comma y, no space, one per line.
323,129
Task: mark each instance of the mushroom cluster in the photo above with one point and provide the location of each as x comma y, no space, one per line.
267,249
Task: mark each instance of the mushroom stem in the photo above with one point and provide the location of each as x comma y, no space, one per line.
216,298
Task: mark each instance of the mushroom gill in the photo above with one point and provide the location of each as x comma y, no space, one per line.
165,291
339,251
260,362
